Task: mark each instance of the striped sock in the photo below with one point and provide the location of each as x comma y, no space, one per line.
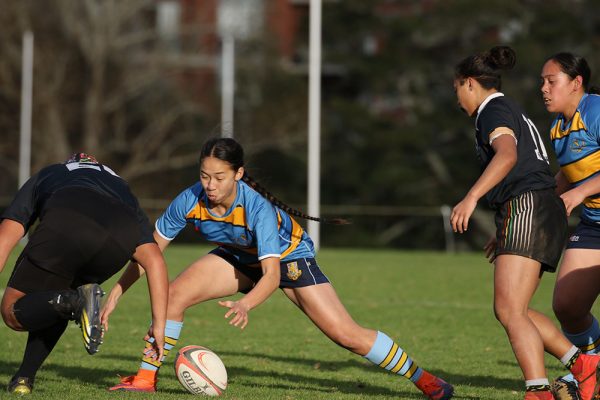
390,356
537,385
172,332
589,340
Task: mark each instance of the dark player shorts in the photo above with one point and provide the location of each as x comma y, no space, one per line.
294,273
82,237
533,225
585,236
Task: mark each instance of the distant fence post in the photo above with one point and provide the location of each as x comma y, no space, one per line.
448,233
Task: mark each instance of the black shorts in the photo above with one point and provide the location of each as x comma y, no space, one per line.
533,225
83,237
294,273
585,236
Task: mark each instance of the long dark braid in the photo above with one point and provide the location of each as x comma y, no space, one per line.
230,151
292,211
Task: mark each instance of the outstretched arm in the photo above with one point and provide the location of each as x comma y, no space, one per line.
502,162
263,289
132,273
10,234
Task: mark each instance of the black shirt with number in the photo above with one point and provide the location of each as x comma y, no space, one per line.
30,200
532,170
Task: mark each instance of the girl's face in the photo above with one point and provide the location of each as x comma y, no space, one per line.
559,92
466,95
219,181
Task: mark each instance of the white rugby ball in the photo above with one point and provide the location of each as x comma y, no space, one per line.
200,371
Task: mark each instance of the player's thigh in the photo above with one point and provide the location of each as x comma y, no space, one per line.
578,279
210,277
322,305
515,280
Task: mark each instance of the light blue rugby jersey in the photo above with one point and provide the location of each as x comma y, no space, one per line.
252,229
577,146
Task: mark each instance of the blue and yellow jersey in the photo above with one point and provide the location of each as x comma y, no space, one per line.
577,146
252,229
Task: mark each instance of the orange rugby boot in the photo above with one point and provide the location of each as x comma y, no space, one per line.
434,388
585,371
135,383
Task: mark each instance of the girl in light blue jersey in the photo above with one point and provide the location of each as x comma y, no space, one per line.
575,135
260,247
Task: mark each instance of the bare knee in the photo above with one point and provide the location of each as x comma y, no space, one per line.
567,311
506,313
9,317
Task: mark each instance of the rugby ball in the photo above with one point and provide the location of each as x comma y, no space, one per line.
200,371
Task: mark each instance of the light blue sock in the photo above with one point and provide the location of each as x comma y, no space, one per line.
172,332
587,341
390,356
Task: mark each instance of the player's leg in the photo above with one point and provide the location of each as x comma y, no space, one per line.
322,305
577,287
208,278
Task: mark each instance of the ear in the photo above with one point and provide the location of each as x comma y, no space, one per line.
239,174
470,83
577,82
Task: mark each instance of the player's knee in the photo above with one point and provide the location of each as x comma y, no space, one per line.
504,312
9,318
566,311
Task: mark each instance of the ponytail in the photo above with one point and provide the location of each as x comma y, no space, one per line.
292,211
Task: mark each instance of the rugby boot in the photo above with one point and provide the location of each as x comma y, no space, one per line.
20,385
585,371
87,316
542,395
135,383
563,389
434,388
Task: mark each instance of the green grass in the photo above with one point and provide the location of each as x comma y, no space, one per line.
437,307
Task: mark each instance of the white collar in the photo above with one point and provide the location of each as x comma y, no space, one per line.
485,102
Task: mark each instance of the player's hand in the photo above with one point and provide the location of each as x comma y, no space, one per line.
239,311
109,306
156,352
572,198
461,213
490,249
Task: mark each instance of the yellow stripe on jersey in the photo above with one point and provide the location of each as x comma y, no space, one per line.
592,203
581,169
237,217
576,125
295,235
390,356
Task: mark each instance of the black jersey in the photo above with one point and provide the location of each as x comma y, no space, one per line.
30,200
532,170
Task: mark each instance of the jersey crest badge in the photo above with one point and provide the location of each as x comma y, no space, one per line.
577,146
292,271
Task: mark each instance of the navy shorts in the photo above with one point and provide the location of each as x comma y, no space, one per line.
294,273
82,237
533,225
585,236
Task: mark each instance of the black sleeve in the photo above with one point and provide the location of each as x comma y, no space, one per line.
495,115
23,207
146,230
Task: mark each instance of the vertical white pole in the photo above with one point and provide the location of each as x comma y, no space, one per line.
26,105
314,120
227,85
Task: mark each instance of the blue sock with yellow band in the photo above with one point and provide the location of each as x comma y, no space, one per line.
172,332
589,340
390,356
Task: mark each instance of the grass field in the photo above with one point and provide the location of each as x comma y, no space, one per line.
438,307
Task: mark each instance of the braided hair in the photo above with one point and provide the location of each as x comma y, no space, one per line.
230,151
